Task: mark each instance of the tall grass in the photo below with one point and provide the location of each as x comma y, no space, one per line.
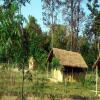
40,86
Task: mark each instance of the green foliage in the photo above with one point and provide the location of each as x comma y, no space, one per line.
91,33
32,27
96,25
10,33
37,51
36,42
15,46
88,51
10,27
40,85
93,6
89,82
40,56
60,36
50,11
90,39
23,2
10,82
28,76
55,63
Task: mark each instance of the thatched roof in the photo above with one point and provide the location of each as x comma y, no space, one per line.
97,62
67,58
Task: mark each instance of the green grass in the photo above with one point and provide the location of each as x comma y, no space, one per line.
10,82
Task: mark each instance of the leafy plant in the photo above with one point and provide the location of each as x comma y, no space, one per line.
55,63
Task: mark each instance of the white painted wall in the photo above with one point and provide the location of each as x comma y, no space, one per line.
57,75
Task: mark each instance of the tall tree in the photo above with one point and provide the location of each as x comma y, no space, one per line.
12,37
60,36
10,33
33,27
50,11
37,41
88,50
93,6
73,16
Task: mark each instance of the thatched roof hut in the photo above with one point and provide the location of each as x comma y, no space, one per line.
68,58
72,62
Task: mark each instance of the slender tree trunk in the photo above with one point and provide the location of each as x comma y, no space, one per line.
52,27
52,17
72,31
23,61
98,46
96,80
23,83
78,11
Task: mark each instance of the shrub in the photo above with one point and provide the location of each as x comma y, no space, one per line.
55,63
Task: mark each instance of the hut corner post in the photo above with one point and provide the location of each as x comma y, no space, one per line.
72,75
96,80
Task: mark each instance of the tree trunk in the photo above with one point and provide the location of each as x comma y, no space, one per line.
23,83
72,31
